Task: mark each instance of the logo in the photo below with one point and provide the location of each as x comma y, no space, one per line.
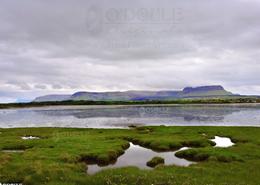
94,20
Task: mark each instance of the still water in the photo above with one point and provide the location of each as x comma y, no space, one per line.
123,116
138,156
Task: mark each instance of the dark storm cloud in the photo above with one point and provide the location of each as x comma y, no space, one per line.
54,46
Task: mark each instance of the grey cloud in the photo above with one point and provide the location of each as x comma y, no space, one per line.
56,86
49,46
40,86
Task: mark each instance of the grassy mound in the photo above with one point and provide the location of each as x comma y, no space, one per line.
155,161
203,154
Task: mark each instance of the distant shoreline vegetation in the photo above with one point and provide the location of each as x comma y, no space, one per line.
224,100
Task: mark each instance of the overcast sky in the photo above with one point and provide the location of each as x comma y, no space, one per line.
63,46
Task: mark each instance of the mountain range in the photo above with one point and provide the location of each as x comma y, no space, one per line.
188,92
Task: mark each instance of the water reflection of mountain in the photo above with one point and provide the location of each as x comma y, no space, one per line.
194,113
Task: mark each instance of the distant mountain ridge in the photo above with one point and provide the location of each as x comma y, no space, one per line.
52,97
187,92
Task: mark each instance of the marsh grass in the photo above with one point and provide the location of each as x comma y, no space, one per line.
61,156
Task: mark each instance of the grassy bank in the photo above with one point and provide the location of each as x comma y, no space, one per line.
61,155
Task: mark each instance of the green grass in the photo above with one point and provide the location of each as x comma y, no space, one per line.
155,161
60,157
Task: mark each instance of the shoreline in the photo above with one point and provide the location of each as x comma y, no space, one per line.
128,105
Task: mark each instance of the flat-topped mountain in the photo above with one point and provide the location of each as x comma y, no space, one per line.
203,88
188,92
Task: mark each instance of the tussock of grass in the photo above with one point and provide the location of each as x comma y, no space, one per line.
203,154
155,161
104,158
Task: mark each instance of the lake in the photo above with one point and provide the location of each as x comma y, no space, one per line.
123,116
